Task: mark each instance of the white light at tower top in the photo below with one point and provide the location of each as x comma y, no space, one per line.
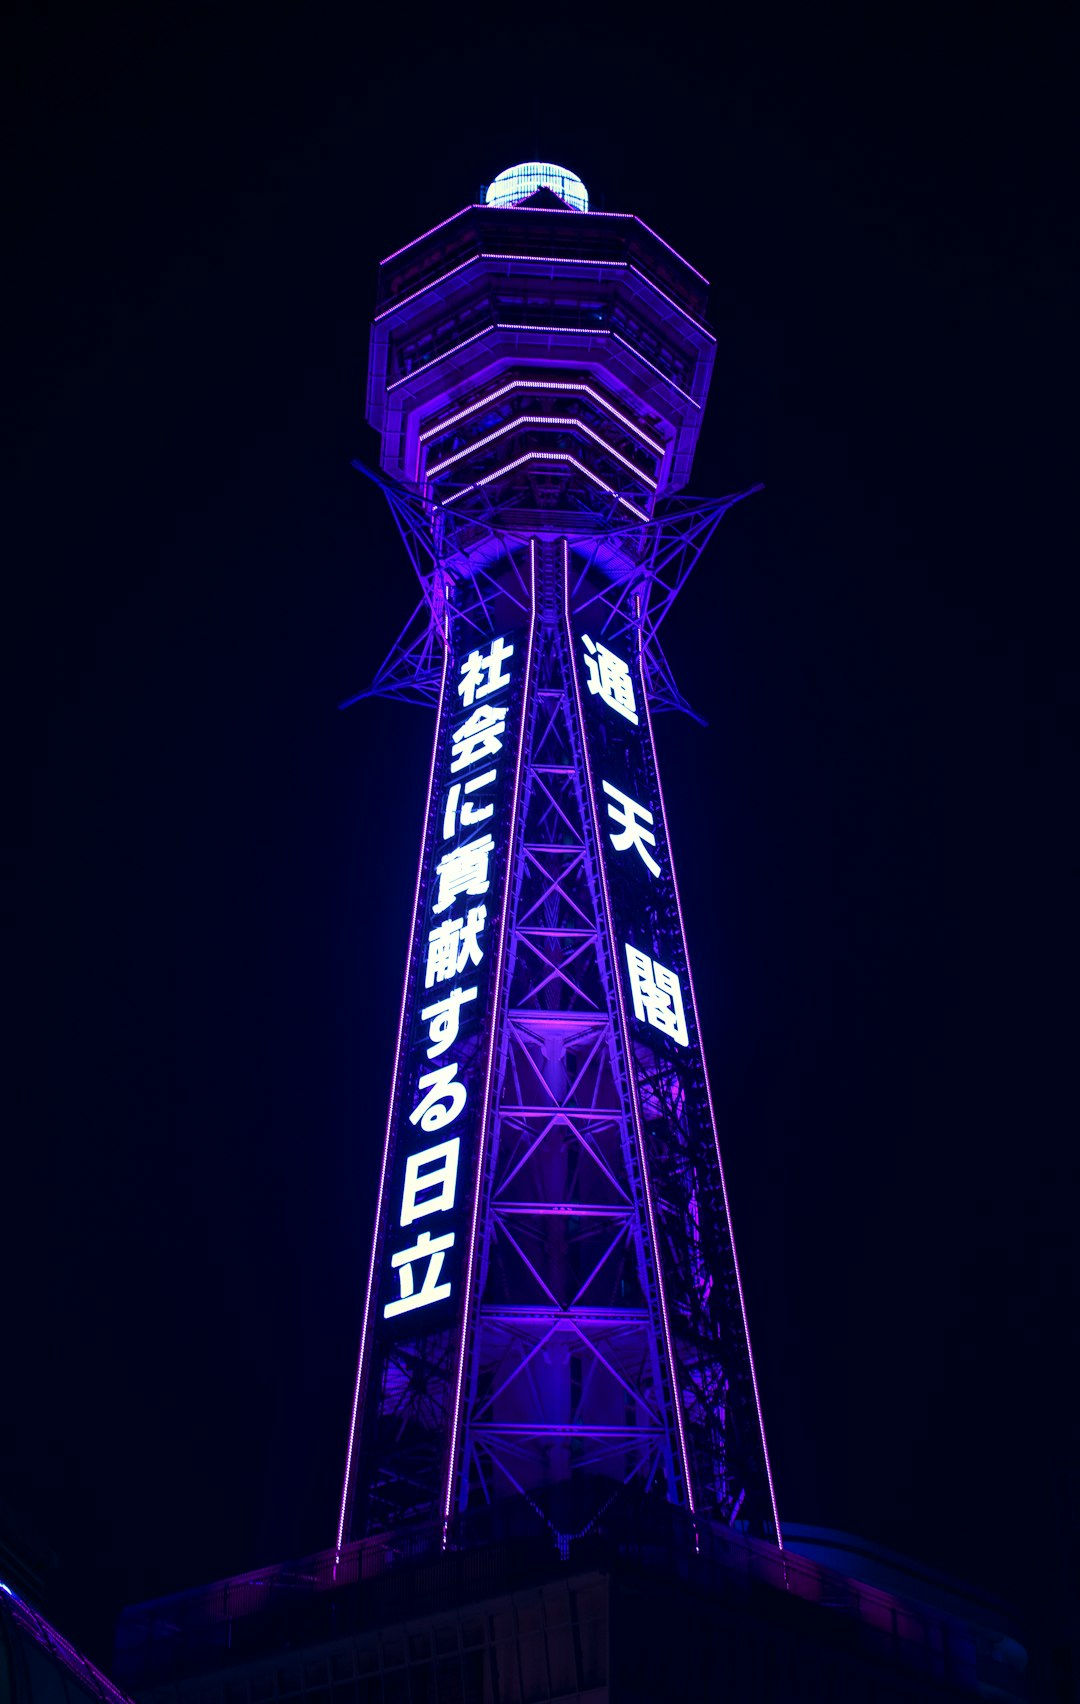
516,182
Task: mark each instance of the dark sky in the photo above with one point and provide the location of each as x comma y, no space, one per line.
213,898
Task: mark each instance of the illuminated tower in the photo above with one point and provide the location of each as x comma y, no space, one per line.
554,1337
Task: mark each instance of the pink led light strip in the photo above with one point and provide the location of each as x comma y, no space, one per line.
708,1093
638,356
564,420
694,321
376,1242
451,1469
624,1030
543,384
545,455
545,260
482,207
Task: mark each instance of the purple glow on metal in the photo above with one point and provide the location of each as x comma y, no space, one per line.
435,359
658,238
676,1401
429,233
556,330
694,321
543,384
564,420
557,260
500,956
403,301
668,380
593,213
545,455
89,1678
375,1241
712,1113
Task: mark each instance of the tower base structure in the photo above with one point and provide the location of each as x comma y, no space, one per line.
638,1619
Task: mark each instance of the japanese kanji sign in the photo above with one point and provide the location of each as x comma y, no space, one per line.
447,1022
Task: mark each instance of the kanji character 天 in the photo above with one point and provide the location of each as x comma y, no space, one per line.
636,824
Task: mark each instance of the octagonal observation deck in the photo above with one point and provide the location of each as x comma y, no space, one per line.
538,367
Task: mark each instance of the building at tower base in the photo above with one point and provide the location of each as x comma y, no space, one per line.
631,1620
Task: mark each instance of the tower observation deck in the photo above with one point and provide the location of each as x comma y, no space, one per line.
554,1336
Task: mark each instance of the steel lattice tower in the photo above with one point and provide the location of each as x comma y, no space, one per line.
554,1334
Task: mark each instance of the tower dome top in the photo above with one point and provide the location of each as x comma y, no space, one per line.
518,182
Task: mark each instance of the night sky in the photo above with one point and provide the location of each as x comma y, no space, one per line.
874,831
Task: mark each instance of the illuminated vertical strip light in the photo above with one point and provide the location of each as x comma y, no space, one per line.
708,1086
639,1131
376,1240
466,1304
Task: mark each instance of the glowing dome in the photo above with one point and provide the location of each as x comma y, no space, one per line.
516,182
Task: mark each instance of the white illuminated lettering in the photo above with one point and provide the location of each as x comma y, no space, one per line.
453,944
444,1019
657,996
636,824
432,1169
482,673
433,1250
481,735
464,870
609,677
471,813
443,1101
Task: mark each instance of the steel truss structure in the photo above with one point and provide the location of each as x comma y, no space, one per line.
554,1330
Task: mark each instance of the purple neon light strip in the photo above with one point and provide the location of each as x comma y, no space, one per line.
594,213
638,356
543,384
564,420
557,330
451,1467
500,325
545,455
535,259
430,232
375,1243
639,1133
708,1091
694,321
558,260
403,301
435,359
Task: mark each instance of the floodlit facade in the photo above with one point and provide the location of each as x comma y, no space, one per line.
554,1331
